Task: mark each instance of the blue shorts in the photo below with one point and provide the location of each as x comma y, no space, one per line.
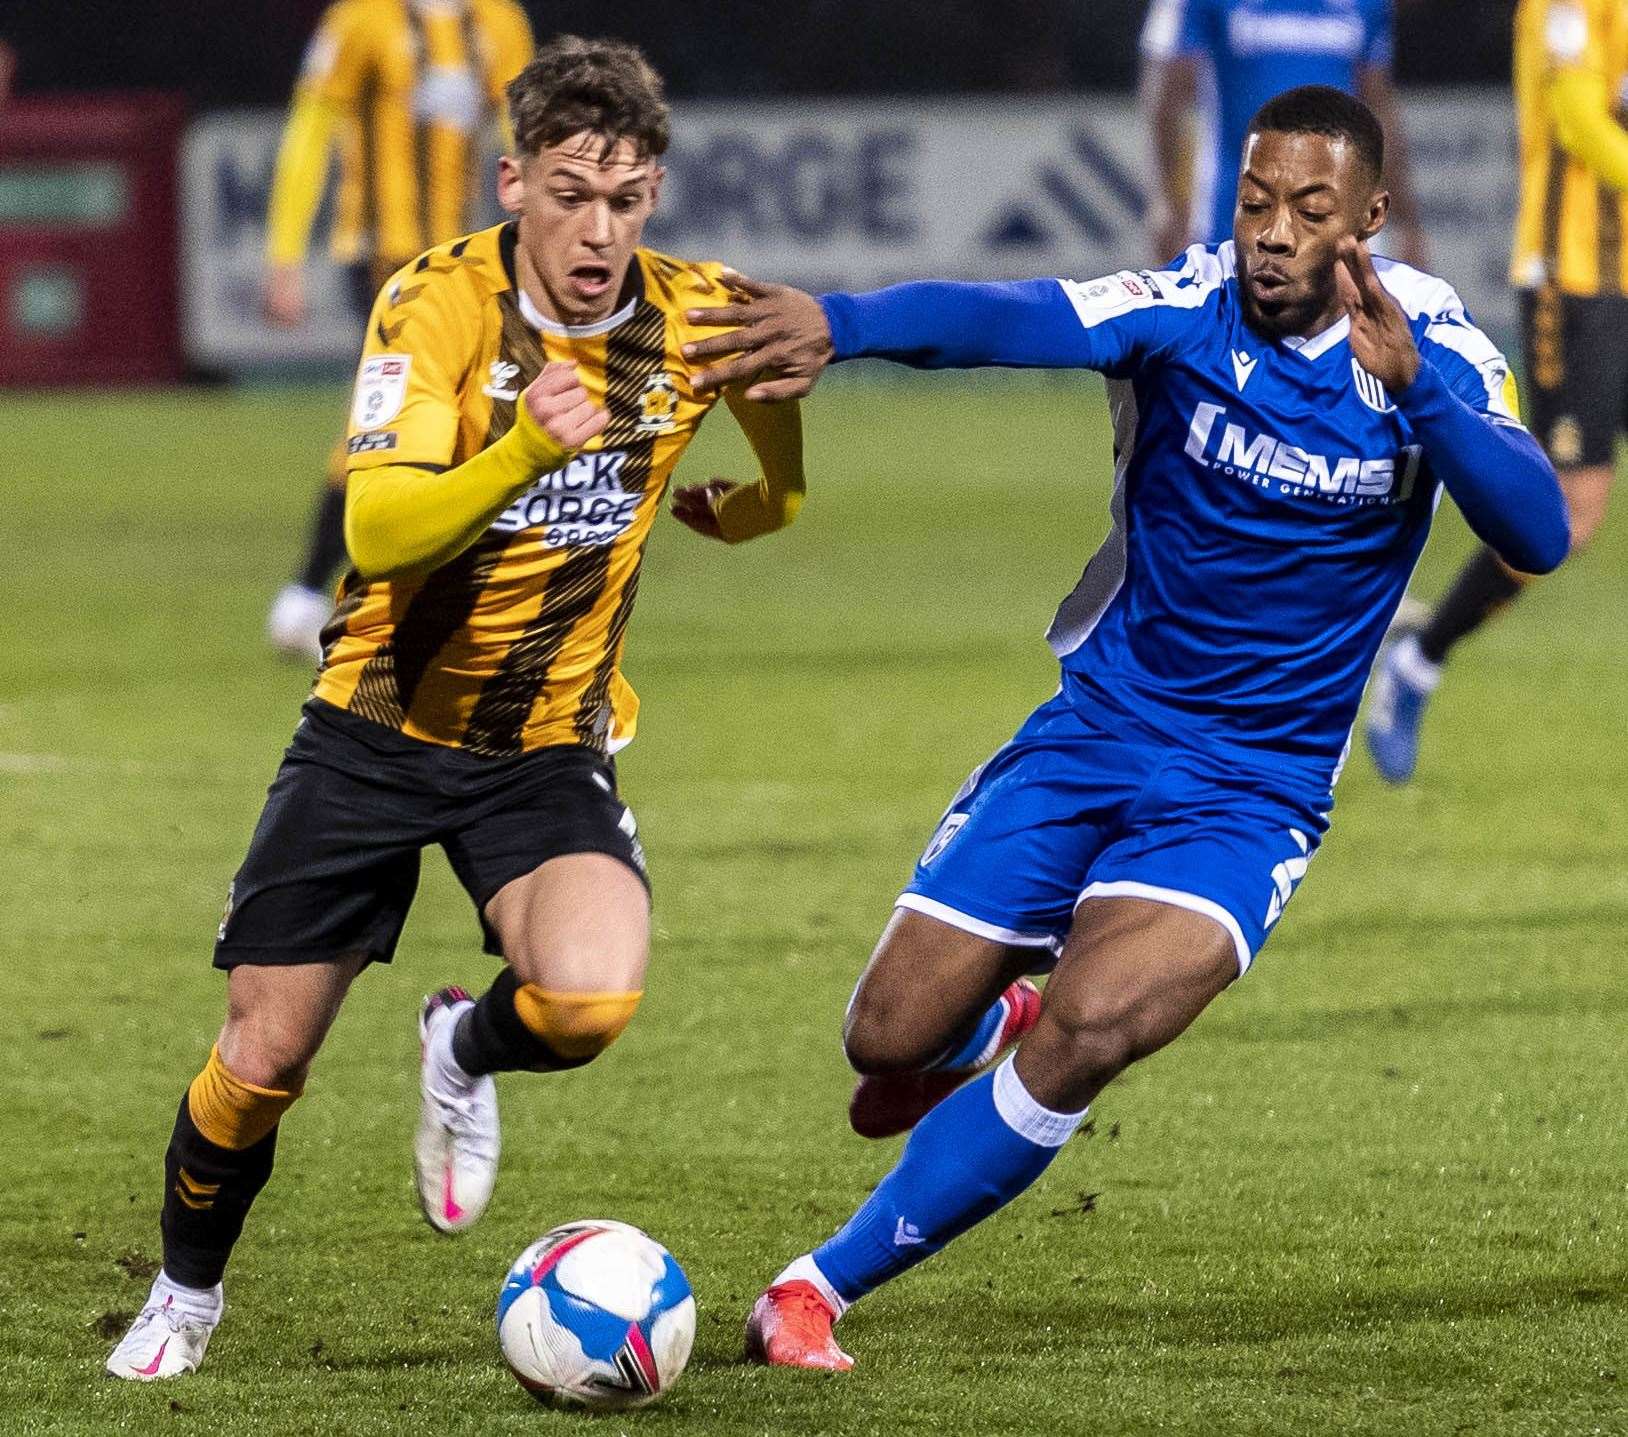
1083,804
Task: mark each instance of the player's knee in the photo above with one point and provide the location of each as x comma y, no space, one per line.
878,1037
574,1027
264,1053
236,1106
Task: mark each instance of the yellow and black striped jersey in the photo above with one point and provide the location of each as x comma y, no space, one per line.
1571,222
516,643
417,82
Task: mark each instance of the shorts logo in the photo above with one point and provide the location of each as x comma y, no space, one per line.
941,840
1566,441
226,915
658,405
372,440
381,390
500,384
630,830
1286,877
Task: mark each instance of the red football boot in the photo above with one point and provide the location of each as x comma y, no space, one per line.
889,1103
790,1326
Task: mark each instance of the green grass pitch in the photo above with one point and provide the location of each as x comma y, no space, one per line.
1378,1189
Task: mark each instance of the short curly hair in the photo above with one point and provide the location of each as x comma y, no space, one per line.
604,87
1322,110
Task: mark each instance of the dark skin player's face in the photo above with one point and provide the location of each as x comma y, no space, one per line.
1298,197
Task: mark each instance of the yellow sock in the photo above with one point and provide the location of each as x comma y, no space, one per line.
574,1025
230,1112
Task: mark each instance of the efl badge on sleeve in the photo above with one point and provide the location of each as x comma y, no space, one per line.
381,390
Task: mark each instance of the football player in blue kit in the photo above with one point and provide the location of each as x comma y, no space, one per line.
1218,61
1287,411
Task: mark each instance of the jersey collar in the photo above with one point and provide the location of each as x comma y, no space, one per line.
1320,343
538,320
632,292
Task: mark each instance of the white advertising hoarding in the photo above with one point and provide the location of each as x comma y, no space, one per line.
830,194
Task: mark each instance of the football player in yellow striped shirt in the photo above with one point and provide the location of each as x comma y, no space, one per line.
520,406
1570,264
403,93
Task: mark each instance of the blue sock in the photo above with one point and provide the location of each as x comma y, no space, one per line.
977,1048
972,1154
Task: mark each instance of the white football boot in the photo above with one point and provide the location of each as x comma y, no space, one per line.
169,1336
294,625
455,1153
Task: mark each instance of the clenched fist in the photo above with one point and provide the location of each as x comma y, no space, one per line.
560,406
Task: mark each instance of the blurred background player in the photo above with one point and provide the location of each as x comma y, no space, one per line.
1571,267
405,91
1220,61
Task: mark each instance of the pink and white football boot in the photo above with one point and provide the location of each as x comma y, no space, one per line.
456,1150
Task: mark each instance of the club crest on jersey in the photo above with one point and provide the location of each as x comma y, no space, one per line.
658,405
381,390
500,383
1370,391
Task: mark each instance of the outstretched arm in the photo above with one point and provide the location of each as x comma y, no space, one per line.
1498,476
782,339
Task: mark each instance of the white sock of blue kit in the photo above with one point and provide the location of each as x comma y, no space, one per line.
974,1153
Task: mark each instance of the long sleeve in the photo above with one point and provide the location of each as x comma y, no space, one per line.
1113,324
1498,476
401,517
302,166
1586,128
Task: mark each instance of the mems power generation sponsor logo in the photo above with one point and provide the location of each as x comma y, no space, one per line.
581,503
1268,462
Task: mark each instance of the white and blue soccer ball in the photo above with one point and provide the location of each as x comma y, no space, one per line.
596,1313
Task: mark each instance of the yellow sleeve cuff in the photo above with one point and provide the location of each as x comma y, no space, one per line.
775,432
757,509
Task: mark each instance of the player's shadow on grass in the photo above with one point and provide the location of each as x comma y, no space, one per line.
1270,1318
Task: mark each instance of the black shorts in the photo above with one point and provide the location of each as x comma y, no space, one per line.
1576,373
333,865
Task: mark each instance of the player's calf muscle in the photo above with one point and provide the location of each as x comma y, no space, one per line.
1128,983
277,1017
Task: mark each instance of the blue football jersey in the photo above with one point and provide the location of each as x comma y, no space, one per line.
1269,506
1251,50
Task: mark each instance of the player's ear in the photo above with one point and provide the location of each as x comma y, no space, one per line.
1379,209
657,175
511,185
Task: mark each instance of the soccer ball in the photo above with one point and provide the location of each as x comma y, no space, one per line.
596,1313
